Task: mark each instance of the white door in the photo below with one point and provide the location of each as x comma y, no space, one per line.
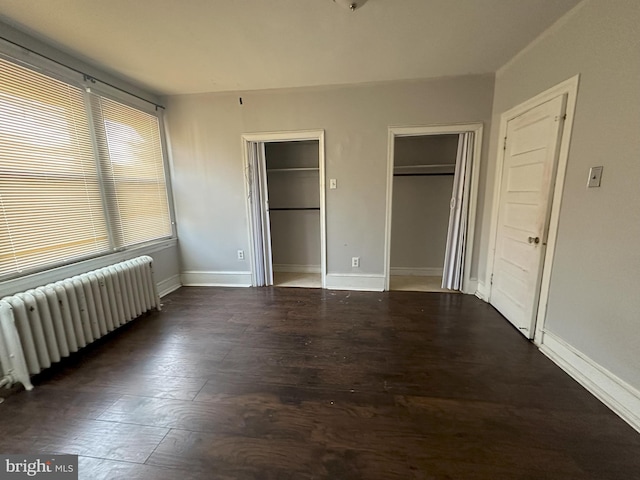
266,221
528,177
260,215
454,257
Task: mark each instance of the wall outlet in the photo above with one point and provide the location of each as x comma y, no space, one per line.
355,262
240,254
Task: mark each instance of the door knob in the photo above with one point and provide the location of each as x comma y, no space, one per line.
535,240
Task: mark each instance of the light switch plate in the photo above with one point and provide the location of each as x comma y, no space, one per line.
595,176
333,183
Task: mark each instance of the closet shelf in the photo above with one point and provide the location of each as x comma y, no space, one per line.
426,170
293,208
294,169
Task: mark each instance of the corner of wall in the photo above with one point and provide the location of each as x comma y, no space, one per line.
168,285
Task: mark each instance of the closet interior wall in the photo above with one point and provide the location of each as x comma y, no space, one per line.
294,205
421,198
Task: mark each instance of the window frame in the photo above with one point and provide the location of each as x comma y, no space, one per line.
26,59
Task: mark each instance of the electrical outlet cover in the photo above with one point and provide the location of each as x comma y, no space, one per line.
595,177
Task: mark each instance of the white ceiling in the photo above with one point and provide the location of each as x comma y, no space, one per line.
189,46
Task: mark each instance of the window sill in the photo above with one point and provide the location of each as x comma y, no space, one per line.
20,284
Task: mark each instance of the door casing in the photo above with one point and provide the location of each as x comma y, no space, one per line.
292,136
468,285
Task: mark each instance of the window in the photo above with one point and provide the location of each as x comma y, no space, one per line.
131,161
80,174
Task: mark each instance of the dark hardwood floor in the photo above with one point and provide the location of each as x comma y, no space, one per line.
311,384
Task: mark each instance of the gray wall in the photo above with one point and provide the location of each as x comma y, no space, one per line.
420,214
209,179
594,303
295,235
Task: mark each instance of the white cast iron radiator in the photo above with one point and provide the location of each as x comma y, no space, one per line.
40,326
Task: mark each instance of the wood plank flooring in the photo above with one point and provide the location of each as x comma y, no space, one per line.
310,384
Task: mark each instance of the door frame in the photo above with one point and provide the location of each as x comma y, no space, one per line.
468,285
569,88
286,136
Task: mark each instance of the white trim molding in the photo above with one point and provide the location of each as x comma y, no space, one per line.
471,287
611,390
482,292
168,285
216,279
20,284
419,272
468,286
569,88
355,281
297,268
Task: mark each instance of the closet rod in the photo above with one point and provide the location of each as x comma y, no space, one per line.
295,208
296,169
420,174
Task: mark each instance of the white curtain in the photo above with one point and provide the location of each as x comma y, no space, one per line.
454,257
260,215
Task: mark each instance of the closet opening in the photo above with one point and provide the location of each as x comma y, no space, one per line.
285,193
432,187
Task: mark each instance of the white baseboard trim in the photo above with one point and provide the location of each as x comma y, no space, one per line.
422,272
471,287
216,279
168,285
355,281
614,392
296,268
482,292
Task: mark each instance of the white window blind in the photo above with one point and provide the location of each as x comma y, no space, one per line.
80,174
50,202
131,158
